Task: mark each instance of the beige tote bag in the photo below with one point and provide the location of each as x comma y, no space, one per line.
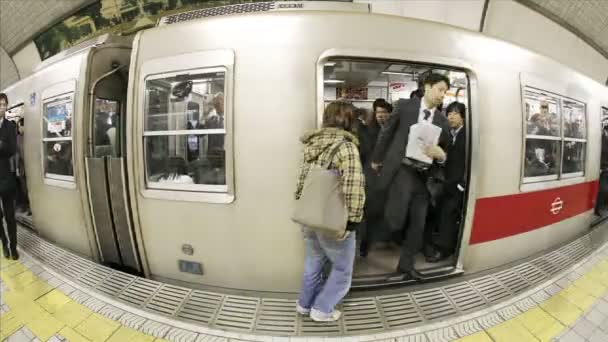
321,206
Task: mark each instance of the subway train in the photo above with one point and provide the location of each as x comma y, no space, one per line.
173,153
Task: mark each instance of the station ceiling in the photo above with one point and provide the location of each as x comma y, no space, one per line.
22,20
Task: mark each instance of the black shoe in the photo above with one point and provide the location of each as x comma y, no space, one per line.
15,255
429,251
437,256
6,253
363,249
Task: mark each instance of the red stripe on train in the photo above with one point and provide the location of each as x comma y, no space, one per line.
504,216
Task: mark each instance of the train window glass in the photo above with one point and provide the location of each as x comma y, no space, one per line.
185,131
543,136
574,120
556,136
575,134
57,138
542,159
106,134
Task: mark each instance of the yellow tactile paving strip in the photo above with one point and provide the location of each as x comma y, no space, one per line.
47,312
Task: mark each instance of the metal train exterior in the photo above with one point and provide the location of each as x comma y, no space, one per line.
272,67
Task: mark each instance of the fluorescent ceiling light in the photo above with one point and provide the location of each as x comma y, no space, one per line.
333,81
330,63
397,73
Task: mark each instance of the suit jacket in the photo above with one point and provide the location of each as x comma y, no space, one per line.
392,140
455,165
8,148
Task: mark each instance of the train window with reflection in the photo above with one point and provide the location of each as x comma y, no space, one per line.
543,136
185,131
555,137
57,138
575,138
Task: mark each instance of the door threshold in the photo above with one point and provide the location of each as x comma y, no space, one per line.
394,279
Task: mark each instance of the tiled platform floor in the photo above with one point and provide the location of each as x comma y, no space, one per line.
38,305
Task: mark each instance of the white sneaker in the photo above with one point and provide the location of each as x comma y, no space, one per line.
319,316
302,310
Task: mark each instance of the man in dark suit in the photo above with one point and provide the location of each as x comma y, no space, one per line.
8,181
406,179
450,205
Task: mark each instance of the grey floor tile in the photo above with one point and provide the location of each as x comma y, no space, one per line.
602,306
18,336
596,317
28,333
604,325
571,336
584,328
598,336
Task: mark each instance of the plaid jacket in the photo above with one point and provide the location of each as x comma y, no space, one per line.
318,146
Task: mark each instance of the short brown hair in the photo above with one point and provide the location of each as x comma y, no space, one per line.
339,114
3,96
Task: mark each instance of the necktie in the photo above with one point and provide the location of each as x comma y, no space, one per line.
427,114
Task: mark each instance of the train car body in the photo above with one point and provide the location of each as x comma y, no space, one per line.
236,232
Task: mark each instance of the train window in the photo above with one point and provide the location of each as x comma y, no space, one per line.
574,138
185,131
543,136
107,127
57,138
555,137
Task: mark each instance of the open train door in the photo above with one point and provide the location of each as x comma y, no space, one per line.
107,181
601,207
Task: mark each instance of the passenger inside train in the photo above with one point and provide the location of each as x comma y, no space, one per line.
371,86
601,204
185,130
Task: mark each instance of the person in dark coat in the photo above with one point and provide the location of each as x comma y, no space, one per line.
368,135
602,196
406,179
450,205
8,181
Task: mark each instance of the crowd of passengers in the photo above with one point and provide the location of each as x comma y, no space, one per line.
388,195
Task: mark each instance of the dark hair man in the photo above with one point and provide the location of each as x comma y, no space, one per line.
408,197
8,183
450,205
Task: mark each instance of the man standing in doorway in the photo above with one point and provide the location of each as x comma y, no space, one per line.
408,197
8,182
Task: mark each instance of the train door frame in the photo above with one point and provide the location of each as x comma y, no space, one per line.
106,175
473,124
603,117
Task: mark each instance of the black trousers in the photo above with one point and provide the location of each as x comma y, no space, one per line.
415,202
22,198
450,208
602,196
9,238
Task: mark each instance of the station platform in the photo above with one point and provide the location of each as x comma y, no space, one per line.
51,294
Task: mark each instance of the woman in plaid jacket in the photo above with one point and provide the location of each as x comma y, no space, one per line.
318,298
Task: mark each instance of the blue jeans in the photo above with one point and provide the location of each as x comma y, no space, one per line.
317,293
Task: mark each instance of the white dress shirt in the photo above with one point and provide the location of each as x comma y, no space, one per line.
421,112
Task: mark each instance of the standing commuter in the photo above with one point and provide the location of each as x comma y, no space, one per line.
8,183
373,227
23,200
602,196
318,296
450,205
406,179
